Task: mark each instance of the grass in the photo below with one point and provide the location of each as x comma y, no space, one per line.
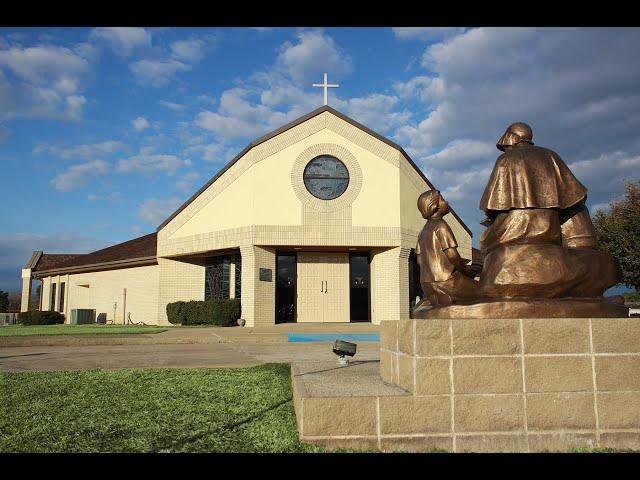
157,410
154,410
27,330
602,450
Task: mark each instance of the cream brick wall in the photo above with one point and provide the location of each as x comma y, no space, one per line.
180,280
258,298
389,284
107,287
261,199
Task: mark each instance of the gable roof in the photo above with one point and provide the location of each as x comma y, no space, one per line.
141,249
295,123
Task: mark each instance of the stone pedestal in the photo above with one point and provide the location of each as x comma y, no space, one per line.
528,308
519,385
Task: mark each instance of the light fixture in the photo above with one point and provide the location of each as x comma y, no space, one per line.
342,348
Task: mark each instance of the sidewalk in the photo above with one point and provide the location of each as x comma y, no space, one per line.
193,335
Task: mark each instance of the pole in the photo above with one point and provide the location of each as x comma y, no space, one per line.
124,308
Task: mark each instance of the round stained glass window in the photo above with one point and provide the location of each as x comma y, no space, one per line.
326,177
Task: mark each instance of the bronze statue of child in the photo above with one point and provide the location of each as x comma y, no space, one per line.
444,275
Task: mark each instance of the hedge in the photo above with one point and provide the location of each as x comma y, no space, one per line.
222,313
36,317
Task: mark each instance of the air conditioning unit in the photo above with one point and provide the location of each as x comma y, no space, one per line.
82,316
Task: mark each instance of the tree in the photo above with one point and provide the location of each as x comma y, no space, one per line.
618,232
4,301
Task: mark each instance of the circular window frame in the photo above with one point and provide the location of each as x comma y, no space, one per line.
347,158
348,177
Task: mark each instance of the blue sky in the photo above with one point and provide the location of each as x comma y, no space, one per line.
104,132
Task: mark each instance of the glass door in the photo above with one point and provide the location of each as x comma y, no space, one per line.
285,287
359,287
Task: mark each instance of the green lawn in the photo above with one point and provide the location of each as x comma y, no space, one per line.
154,410
24,330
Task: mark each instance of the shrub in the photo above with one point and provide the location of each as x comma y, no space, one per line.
40,318
222,313
632,297
174,312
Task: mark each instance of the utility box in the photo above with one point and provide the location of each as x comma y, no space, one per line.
82,316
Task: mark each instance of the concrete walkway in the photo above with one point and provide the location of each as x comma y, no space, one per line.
238,354
192,335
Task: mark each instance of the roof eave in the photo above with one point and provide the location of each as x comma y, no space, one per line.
35,258
127,263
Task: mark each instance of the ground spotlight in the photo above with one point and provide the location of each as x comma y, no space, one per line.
342,348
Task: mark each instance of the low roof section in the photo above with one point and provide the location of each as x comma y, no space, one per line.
137,252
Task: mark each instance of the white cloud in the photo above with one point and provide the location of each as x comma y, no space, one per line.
313,54
426,33
176,107
149,163
192,50
140,123
577,88
186,181
238,118
108,197
157,72
125,41
154,65
44,64
413,87
88,150
207,99
155,211
376,111
213,152
46,81
79,175
461,154
605,175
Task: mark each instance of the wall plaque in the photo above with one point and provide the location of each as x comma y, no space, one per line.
265,274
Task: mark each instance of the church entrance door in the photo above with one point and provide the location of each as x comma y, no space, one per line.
323,287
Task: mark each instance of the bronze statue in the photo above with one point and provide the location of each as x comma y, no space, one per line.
539,244
443,274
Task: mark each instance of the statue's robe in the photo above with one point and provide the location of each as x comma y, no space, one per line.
540,242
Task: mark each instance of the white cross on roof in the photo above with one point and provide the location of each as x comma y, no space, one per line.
326,87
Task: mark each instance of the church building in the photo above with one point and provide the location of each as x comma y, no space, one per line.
314,222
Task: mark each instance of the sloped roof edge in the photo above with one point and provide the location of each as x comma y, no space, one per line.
295,123
140,248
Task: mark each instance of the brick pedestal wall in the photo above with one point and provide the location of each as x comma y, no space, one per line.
521,385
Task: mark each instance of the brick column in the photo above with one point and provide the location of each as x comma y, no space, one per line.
390,284
56,300
232,278
26,289
46,293
258,299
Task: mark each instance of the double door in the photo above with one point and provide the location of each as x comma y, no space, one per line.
323,287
